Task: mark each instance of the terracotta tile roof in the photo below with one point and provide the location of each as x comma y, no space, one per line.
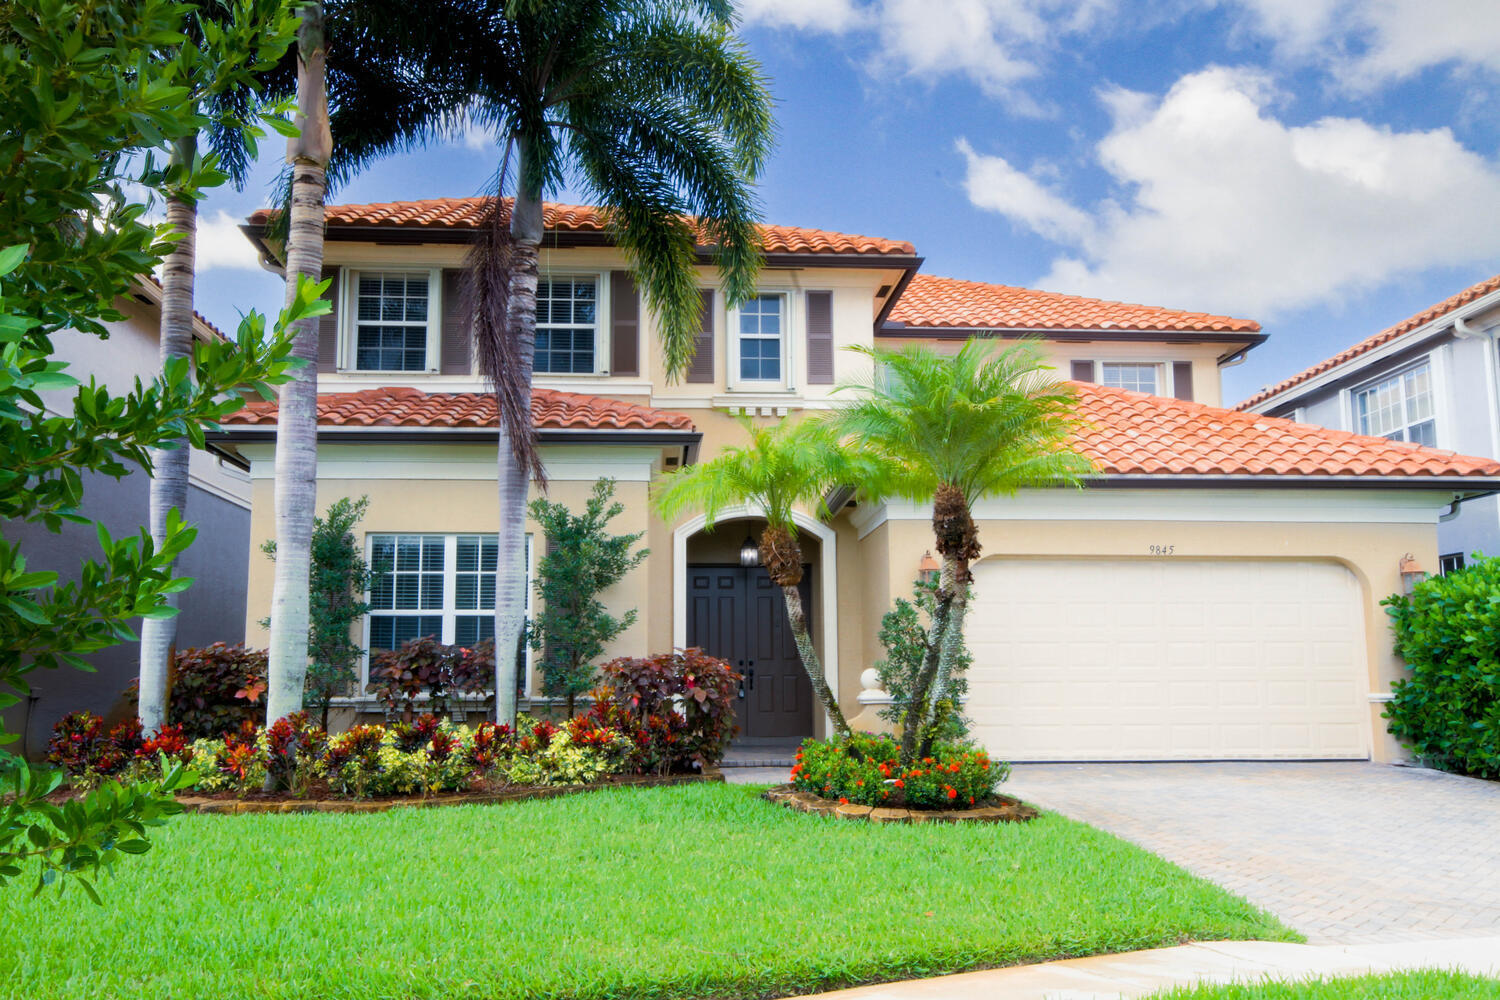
393,406
1132,433
467,213
1385,336
930,301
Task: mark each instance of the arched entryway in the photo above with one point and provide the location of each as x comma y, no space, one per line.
735,612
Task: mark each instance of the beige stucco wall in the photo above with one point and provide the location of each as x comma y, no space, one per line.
1060,354
1371,551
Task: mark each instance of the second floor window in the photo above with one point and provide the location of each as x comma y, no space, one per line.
1135,377
1399,407
391,321
759,337
567,326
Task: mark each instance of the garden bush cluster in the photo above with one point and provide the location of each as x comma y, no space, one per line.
656,715
215,689
866,770
1448,632
398,677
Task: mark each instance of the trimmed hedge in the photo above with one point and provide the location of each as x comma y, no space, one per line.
1448,632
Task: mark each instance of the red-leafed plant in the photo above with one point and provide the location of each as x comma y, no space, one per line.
682,704
489,743
398,677
294,744
215,689
413,736
168,740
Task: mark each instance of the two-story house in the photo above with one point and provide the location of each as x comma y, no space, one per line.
1431,380
218,504
1213,593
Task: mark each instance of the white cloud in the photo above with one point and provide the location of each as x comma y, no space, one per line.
834,16
1366,43
1221,206
993,184
221,245
997,44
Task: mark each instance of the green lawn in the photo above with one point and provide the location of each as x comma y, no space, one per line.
1427,985
693,891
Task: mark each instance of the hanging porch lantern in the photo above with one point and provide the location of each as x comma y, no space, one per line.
749,552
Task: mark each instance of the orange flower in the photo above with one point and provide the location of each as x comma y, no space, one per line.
952,792
899,783
843,801
860,783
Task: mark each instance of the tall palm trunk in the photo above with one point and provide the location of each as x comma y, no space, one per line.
297,417
782,557
516,455
169,479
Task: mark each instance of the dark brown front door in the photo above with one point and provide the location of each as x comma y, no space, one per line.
739,615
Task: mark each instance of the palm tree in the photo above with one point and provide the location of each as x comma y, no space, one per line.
397,82
950,429
657,112
227,97
785,467
297,409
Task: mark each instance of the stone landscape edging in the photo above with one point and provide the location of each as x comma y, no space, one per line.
1009,810
241,807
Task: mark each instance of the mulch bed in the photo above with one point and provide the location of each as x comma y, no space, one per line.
227,803
1000,809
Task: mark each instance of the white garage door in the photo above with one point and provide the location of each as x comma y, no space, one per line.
1167,659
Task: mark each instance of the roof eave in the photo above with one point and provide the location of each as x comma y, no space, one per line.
251,433
1468,486
1242,340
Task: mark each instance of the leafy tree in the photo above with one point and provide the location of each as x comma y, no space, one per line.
948,430
656,111
904,632
227,97
93,93
583,560
787,465
339,576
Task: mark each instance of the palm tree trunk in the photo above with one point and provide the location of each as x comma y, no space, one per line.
514,472
169,478
810,662
297,417
915,716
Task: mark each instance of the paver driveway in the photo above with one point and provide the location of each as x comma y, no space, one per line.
1344,852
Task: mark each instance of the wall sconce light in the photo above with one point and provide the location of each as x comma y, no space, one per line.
749,552
928,567
1411,574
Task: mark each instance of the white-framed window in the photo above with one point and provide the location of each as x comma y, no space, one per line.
1137,376
1400,407
394,325
569,324
759,352
1451,563
442,585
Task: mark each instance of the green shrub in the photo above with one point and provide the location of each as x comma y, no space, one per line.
1448,632
904,634
866,770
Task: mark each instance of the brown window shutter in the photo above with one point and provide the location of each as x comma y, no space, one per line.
458,330
819,338
1083,371
328,326
1182,380
624,325
701,368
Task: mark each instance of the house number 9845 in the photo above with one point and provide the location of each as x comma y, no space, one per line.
1162,550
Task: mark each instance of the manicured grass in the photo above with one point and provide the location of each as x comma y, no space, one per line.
1425,985
694,891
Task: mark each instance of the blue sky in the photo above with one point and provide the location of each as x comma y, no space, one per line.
1326,167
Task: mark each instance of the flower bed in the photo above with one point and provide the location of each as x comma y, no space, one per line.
865,772
634,728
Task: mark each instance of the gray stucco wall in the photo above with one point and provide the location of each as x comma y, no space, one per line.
213,609
1465,421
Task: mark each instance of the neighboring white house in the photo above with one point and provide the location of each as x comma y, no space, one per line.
1433,379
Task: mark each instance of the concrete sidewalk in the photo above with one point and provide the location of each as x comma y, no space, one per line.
1142,973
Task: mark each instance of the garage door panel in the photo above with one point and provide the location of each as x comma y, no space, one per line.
1166,659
